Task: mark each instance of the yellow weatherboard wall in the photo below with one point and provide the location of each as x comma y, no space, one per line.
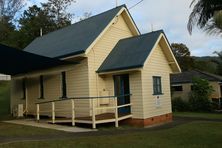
157,65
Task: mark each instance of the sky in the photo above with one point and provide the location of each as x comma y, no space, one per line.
169,15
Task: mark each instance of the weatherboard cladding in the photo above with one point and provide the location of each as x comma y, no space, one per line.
130,52
187,77
74,39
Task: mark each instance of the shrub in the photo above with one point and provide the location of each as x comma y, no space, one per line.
179,105
199,98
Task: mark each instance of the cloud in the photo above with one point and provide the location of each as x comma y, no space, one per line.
170,15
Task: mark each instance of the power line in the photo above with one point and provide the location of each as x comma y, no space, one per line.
136,4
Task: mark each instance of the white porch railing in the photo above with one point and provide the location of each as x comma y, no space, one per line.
94,109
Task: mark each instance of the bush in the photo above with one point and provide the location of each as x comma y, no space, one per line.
179,105
199,98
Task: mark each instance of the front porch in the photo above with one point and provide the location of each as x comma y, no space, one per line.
102,113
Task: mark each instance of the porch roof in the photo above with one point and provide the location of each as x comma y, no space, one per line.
13,61
130,53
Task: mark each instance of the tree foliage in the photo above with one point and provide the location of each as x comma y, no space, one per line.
199,98
206,15
50,16
8,10
32,20
182,54
57,9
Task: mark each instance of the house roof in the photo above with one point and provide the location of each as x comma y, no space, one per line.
187,77
130,52
15,61
74,39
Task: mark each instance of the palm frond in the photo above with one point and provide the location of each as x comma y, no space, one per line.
202,12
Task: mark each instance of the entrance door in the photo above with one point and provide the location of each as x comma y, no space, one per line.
122,91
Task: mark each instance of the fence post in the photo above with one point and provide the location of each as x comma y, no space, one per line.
37,112
93,115
116,112
53,112
73,112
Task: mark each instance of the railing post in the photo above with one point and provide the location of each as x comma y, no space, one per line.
93,115
37,112
116,113
53,112
73,112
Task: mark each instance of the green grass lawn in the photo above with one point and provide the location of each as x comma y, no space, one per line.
14,130
4,99
198,115
194,134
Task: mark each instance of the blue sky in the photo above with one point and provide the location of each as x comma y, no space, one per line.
170,15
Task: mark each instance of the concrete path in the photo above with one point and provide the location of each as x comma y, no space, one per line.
44,124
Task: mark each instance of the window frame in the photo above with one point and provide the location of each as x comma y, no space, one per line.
157,88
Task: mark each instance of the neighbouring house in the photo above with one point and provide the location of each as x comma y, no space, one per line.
181,84
5,77
104,71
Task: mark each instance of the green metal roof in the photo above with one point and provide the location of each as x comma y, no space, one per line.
74,39
130,53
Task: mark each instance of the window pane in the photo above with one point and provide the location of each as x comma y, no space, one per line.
157,88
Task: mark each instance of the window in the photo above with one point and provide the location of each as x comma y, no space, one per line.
64,91
177,88
41,87
23,89
157,88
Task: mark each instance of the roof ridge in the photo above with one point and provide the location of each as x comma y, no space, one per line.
82,20
209,74
141,35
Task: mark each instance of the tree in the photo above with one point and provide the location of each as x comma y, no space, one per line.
10,7
183,56
206,15
218,62
215,24
58,10
199,98
6,29
8,10
32,20
49,17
